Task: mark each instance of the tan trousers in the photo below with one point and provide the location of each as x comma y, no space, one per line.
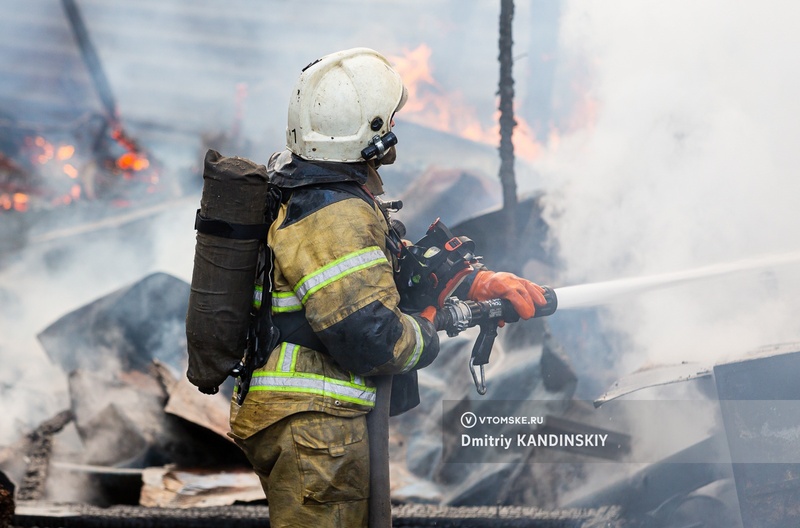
314,468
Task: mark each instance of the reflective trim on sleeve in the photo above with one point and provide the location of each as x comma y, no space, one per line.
412,361
338,269
285,302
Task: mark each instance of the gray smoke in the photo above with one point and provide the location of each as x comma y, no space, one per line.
690,161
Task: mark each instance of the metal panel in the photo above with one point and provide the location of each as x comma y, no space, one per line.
760,403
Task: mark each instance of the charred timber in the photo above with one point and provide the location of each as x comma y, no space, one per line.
6,501
507,122
38,454
91,58
419,516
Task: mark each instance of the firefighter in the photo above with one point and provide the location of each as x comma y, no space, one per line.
303,422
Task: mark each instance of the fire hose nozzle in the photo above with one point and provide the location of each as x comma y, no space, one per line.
552,303
459,315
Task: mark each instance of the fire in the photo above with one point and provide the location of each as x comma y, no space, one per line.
65,152
430,105
14,201
46,151
51,173
132,161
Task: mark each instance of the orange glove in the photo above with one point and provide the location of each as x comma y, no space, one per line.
429,313
432,314
524,295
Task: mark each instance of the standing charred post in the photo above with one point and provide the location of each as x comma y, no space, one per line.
507,124
95,67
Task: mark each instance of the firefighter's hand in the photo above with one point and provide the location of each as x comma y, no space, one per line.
208,390
434,316
523,294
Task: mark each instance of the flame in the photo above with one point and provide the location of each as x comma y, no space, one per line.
45,151
14,201
70,170
132,161
65,152
56,174
430,105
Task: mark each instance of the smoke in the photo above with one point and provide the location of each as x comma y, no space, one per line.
51,279
690,162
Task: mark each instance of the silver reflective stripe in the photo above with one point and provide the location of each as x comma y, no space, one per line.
337,269
314,384
358,380
411,362
287,357
285,302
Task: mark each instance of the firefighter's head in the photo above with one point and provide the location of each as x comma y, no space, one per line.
340,103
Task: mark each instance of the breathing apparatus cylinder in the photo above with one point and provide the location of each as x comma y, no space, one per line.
230,230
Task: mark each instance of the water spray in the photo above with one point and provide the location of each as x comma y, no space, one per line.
599,293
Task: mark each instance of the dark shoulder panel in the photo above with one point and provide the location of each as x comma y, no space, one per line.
306,200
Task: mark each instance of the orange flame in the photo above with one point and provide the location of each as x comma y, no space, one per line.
15,201
430,105
65,152
131,161
59,165
46,150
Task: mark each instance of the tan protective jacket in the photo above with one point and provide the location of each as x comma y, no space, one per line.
331,260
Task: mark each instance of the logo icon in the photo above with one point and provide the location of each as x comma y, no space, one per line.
469,420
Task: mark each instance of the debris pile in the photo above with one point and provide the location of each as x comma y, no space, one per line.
6,500
130,408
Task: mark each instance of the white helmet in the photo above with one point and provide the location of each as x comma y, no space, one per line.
340,102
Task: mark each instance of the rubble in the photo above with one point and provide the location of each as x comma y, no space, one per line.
256,516
171,487
6,500
124,330
40,444
132,409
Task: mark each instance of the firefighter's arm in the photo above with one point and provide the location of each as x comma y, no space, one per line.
335,261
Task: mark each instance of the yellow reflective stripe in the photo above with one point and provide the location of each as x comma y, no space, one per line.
314,384
285,302
413,359
339,268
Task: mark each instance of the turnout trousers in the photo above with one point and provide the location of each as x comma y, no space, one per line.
314,468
